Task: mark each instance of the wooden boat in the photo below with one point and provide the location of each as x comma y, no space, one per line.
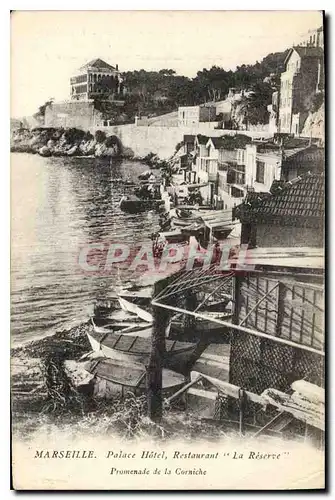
133,308
147,176
121,378
178,223
137,295
196,226
175,236
134,205
106,325
221,233
103,308
217,305
203,328
131,349
111,308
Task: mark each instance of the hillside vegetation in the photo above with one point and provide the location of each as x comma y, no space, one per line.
157,92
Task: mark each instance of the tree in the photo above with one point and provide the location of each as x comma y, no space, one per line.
253,107
154,93
42,109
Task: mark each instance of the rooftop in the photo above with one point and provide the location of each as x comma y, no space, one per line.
218,142
98,64
316,52
202,139
297,202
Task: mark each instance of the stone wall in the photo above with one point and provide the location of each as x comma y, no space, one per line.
68,114
162,140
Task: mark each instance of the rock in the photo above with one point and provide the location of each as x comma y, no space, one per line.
72,151
128,153
101,150
44,151
87,147
77,373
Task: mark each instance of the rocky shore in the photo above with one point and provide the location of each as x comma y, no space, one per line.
76,142
65,142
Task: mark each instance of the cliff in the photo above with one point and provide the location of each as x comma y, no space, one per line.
314,125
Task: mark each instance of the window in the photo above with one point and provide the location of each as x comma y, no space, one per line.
240,157
240,175
236,193
260,172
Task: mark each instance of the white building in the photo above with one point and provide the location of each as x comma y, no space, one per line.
190,116
95,77
302,79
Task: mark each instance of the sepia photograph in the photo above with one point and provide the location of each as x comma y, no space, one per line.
167,174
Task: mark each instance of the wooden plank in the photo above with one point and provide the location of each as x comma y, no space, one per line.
310,391
182,390
231,389
285,403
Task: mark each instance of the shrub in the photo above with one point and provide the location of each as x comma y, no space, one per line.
73,135
100,136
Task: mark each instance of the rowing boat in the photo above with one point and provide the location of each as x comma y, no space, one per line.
202,328
133,308
138,295
134,205
135,349
106,325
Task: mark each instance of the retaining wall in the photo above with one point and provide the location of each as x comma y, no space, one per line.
163,140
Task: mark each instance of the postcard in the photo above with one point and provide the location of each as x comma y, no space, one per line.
167,250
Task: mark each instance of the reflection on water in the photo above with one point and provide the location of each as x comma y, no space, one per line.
58,205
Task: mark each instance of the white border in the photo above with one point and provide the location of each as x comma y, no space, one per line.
126,5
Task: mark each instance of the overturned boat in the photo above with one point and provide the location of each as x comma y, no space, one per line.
117,378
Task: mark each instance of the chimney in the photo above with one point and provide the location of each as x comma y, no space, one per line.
117,67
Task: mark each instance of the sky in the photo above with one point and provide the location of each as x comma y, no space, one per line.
47,47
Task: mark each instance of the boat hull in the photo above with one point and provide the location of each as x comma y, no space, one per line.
203,329
133,308
179,356
133,206
134,329
117,378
